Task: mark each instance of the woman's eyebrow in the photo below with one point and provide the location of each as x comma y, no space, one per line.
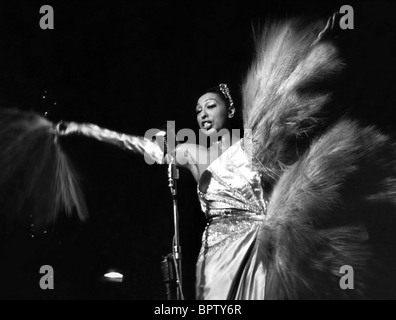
210,99
198,105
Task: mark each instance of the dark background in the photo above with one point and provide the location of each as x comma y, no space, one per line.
130,66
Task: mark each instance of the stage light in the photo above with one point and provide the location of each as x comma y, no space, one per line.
113,276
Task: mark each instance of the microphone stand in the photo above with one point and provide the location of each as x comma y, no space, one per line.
173,175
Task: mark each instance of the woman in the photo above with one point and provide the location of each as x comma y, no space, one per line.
234,203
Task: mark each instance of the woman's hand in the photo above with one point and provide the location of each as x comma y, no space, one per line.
64,128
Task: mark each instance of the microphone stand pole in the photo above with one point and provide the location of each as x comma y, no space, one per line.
173,175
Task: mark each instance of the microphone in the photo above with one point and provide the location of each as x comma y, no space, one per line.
166,139
162,141
173,172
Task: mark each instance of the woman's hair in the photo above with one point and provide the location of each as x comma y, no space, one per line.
223,90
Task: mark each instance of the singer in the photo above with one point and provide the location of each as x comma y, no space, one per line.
299,196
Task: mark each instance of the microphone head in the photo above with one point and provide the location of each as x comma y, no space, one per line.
161,138
166,137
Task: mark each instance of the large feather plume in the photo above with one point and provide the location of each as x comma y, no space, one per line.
36,177
335,206
332,195
283,95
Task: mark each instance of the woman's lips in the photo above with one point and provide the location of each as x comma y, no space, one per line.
206,125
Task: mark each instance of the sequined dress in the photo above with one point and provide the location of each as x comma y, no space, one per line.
233,201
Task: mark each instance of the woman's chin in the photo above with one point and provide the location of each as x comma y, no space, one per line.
208,132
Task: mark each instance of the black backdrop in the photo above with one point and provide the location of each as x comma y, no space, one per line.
130,66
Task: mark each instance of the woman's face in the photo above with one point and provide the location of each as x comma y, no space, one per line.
212,113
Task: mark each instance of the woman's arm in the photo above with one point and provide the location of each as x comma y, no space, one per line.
135,144
186,155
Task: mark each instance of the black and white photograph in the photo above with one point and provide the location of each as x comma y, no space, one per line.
197,151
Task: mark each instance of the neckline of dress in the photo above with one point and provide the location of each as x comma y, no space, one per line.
214,161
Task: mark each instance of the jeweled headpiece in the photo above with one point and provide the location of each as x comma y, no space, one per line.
226,93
